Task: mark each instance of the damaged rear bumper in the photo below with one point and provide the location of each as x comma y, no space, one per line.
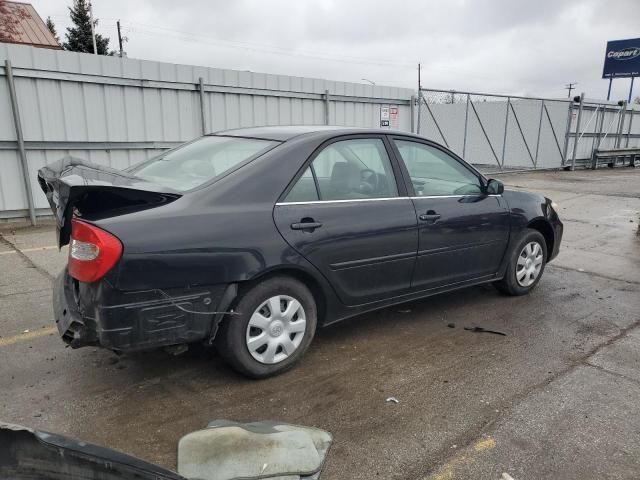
97,314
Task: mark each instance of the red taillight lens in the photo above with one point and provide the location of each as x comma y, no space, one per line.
92,251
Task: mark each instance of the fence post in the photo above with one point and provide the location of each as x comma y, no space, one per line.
595,145
631,115
623,112
203,118
466,121
576,138
21,150
598,127
412,111
567,134
326,107
535,161
419,111
506,126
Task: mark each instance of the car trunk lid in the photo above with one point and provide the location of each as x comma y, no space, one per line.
75,186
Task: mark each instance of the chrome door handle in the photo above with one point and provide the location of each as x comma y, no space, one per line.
311,226
429,217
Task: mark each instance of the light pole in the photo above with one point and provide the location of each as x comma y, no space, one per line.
93,30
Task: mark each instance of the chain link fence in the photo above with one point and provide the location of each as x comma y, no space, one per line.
506,133
496,132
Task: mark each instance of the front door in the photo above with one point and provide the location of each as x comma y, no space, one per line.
463,232
347,216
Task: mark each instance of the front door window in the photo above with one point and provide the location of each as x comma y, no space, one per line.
433,172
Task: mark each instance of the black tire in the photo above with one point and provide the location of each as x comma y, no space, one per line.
231,340
509,284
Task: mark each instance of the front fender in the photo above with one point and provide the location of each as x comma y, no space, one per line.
532,210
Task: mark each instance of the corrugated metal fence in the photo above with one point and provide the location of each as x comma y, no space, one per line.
119,111
508,132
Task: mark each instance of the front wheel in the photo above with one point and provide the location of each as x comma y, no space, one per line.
273,325
526,264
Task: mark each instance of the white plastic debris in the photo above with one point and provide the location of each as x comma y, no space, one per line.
392,399
506,476
228,450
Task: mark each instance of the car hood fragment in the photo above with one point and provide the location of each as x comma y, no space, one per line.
75,186
27,454
225,450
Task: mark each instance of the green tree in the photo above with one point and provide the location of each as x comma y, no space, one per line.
52,28
79,35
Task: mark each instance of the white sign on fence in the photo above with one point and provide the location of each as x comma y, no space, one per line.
389,116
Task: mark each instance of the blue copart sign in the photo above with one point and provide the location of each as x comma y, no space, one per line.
622,59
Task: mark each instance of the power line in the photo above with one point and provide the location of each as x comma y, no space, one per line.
155,30
206,40
190,37
570,87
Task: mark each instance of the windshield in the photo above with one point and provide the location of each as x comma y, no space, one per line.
200,161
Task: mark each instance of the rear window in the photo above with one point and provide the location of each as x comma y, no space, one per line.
200,161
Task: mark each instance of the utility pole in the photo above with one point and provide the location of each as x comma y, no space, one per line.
419,99
570,87
93,30
119,38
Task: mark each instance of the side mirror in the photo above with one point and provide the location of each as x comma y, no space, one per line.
494,187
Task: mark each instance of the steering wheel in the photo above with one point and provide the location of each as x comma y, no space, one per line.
368,181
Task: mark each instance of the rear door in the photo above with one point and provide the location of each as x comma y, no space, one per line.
348,216
463,232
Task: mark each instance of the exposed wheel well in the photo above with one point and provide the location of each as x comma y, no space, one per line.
300,275
547,232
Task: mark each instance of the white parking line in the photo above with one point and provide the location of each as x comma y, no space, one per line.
25,250
26,336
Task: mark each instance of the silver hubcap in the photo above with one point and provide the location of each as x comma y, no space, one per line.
529,264
276,329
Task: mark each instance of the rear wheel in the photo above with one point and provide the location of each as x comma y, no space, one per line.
526,264
273,325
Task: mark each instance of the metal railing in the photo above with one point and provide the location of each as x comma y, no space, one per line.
600,126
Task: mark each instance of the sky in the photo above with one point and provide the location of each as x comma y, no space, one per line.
520,47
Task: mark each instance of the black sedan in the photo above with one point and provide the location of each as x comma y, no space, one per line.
252,238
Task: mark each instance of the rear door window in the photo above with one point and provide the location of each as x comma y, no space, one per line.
354,169
304,189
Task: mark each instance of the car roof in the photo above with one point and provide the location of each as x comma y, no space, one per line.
284,133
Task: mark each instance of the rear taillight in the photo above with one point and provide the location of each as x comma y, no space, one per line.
92,251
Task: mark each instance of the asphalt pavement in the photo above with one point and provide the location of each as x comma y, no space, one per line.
556,397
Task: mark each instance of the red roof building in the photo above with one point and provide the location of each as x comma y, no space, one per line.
30,28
